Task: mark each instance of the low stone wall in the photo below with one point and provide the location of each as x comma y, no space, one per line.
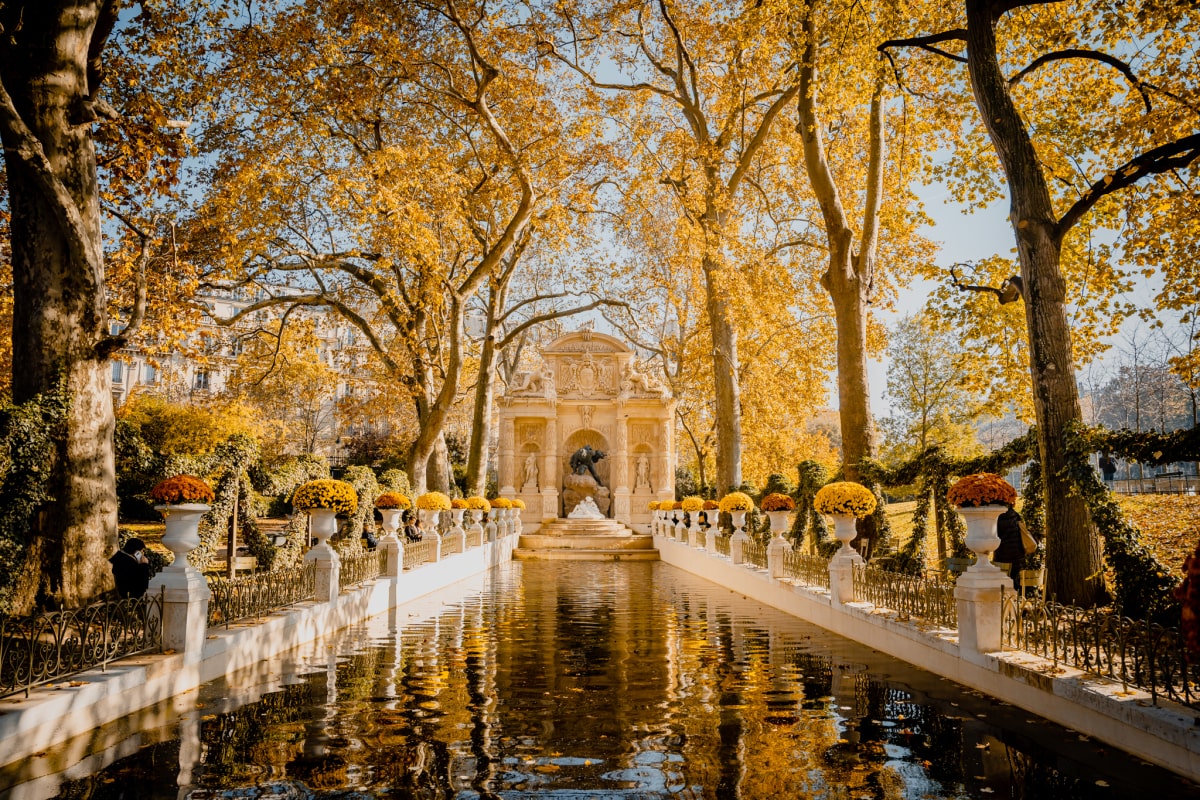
1167,734
85,702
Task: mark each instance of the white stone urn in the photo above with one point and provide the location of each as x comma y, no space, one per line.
982,538
739,521
183,533
844,531
457,514
477,519
391,520
429,519
324,525
779,522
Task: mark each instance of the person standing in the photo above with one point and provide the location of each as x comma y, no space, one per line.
131,569
1012,544
1108,468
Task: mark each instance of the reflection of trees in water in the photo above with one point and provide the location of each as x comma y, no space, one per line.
148,773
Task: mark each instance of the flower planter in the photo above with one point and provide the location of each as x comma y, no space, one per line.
324,524
779,522
981,537
391,519
844,531
183,532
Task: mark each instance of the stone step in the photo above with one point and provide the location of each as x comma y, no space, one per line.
538,541
570,554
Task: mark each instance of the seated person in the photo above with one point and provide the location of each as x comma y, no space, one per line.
131,569
412,527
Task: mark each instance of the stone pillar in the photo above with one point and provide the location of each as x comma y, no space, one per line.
550,478
323,524
185,591
735,545
507,468
777,549
622,511
841,577
979,596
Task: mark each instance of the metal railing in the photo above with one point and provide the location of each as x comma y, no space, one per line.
43,648
723,545
908,595
260,593
811,570
359,568
1140,654
418,553
754,553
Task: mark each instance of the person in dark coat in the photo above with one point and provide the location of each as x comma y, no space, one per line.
412,528
131,570
1011,549
1108,468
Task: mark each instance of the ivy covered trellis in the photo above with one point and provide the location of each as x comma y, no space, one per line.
1142,584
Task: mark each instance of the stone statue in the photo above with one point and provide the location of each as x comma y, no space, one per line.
531,471
585,509
641,478
584,460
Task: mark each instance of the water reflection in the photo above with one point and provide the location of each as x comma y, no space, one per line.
608,680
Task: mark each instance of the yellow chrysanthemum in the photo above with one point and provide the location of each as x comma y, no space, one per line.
736,501
844,497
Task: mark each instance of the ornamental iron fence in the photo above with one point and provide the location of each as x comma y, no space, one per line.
260,593
723,545
359,568
1139,654
418,553
808,569
918,596
42,648
754,553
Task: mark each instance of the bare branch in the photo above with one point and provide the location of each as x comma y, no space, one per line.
1009,291
566,312
926,43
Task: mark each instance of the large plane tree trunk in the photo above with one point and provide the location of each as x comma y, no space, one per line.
1073,550
59,321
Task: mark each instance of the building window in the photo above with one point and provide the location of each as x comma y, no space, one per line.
149,374
118,371
201,381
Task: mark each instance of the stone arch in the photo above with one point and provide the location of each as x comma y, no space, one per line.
598,441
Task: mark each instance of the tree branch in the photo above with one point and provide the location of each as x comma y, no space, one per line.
1091,55
1163,158
926,43
551,315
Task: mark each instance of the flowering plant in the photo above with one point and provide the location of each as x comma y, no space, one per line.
692,503
677,505
501,502
844,497
433,501
458,503
181,489
652,505
981,489
711,505
392,500
736,501
778,502
518,503
477,503
337,496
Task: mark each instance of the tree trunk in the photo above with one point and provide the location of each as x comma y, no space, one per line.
1073,553
432,409
728,401
481,417
58,288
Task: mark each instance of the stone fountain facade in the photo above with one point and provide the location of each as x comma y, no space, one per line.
588,390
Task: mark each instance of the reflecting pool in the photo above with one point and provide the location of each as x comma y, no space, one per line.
582,680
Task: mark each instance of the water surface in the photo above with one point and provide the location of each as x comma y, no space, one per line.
581,680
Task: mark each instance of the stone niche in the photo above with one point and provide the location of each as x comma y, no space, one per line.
587,390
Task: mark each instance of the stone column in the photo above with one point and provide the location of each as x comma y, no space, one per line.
507,468
776,550
620,473
550,478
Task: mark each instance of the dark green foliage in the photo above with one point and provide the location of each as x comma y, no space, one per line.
363,480
777,483
30,433
812,475
685,483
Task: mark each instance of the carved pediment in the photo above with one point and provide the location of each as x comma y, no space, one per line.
587,376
